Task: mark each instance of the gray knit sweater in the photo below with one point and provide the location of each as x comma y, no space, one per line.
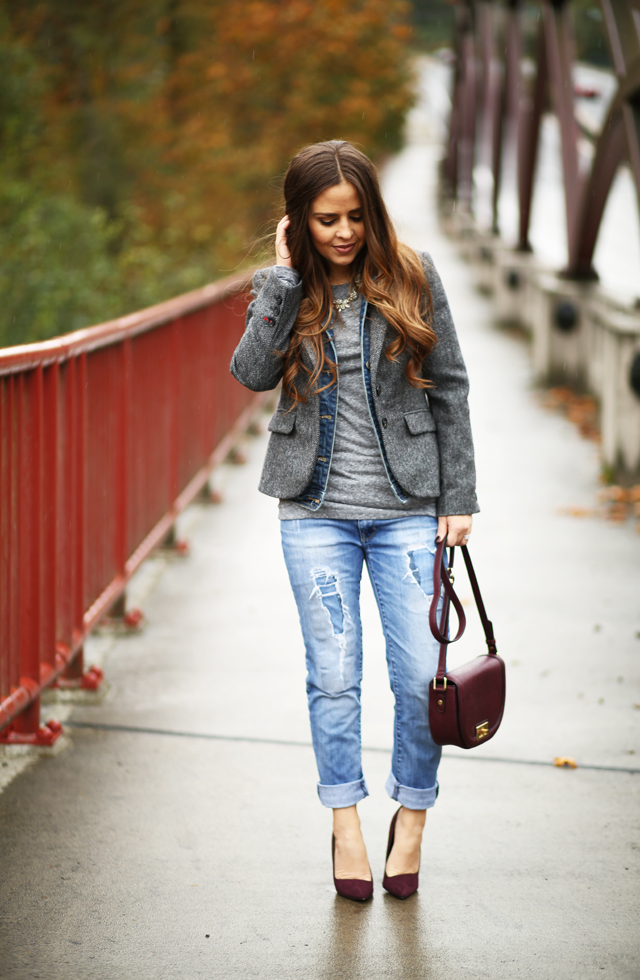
358,487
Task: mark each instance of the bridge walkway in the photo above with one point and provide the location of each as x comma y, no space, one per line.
180,835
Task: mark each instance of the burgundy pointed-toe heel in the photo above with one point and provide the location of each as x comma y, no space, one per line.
357,889
400,886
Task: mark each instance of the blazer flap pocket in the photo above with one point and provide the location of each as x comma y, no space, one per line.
421,421
282,422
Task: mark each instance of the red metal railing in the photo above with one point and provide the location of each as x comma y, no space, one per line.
106,434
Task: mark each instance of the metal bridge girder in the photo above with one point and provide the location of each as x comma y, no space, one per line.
494,89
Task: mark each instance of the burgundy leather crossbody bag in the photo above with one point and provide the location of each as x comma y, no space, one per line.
465,704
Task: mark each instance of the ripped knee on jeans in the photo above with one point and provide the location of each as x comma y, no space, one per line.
327,590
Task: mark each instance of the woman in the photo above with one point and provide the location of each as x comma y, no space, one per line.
372,458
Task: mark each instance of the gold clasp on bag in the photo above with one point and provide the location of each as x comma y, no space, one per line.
440,690
482,729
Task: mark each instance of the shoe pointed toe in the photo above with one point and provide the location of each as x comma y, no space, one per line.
355,889
401,886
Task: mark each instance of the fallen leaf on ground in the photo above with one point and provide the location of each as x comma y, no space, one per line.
558,396
582,410
615,494
617,512
565,760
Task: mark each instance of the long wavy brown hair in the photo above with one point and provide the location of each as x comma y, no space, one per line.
392,276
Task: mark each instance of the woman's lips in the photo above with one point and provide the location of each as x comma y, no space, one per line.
344,249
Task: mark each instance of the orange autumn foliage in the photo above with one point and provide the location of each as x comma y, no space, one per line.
176,117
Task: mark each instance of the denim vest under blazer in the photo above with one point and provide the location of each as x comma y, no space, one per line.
313,495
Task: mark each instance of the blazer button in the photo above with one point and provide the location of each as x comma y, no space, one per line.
279,300
384,423
378,389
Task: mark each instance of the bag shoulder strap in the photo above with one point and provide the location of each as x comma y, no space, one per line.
443,578
443,582
487,625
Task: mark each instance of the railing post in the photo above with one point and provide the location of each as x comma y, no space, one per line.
174,418
9,673
51,399
79,511
30,424
123,474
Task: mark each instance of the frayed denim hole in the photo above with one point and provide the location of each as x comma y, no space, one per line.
413,572
327,589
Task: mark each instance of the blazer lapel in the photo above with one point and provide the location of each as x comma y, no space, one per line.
308,353
378,340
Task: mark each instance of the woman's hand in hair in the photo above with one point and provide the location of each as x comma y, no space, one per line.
283,255
457,529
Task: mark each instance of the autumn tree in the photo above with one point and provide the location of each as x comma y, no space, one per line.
146,138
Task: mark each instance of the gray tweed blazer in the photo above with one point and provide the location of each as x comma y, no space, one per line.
427,437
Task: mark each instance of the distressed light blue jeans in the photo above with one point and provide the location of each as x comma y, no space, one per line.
325,559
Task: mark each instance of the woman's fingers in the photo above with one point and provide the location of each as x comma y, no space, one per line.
283,254
457,528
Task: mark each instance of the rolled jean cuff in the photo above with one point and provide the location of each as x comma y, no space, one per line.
413,799
345,794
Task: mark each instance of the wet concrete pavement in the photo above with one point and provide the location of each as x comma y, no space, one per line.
184,838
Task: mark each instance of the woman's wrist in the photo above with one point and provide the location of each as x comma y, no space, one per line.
286,273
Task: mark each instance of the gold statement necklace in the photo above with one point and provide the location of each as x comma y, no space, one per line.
342,304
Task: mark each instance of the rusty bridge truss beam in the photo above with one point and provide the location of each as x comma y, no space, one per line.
495,105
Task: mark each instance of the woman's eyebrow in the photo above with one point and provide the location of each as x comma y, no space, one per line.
332,214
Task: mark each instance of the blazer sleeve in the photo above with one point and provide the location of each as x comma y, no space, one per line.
257,362
448,399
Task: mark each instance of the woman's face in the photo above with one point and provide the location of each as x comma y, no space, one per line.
337,229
